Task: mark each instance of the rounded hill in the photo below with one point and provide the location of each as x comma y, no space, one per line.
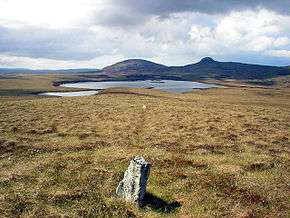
133,66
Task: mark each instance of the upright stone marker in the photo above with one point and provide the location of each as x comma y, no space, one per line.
133,186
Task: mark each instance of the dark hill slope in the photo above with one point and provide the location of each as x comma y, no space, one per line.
135,66
209,68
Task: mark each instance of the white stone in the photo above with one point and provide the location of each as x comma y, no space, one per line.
133,186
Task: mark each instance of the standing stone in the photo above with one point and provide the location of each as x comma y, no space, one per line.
133,186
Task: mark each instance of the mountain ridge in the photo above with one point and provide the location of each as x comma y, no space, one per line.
206,68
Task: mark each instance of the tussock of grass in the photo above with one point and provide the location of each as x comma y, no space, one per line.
219,152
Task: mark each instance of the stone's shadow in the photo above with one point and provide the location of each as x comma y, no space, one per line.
158,204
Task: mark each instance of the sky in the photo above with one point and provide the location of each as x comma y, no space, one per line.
57,34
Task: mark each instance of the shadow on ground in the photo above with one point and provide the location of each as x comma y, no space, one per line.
158,204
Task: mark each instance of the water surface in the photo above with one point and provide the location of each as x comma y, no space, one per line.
69,94
165,85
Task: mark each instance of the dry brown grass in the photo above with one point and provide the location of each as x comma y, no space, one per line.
29,84
218,152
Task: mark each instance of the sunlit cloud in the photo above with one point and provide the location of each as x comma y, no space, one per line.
49,13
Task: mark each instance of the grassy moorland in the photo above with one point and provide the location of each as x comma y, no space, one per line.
29,84
217,152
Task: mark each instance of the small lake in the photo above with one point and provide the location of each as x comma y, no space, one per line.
164,85
69,94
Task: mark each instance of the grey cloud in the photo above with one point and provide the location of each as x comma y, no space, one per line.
46,43
126,13
162,7
119,16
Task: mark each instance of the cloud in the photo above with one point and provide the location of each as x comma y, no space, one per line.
279,53
43,63
125,13
48,13
47,43
252,30
162,7
282,41
93,33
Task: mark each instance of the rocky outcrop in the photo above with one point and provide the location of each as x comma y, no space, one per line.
133,186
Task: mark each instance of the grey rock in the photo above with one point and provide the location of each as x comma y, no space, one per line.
133,186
